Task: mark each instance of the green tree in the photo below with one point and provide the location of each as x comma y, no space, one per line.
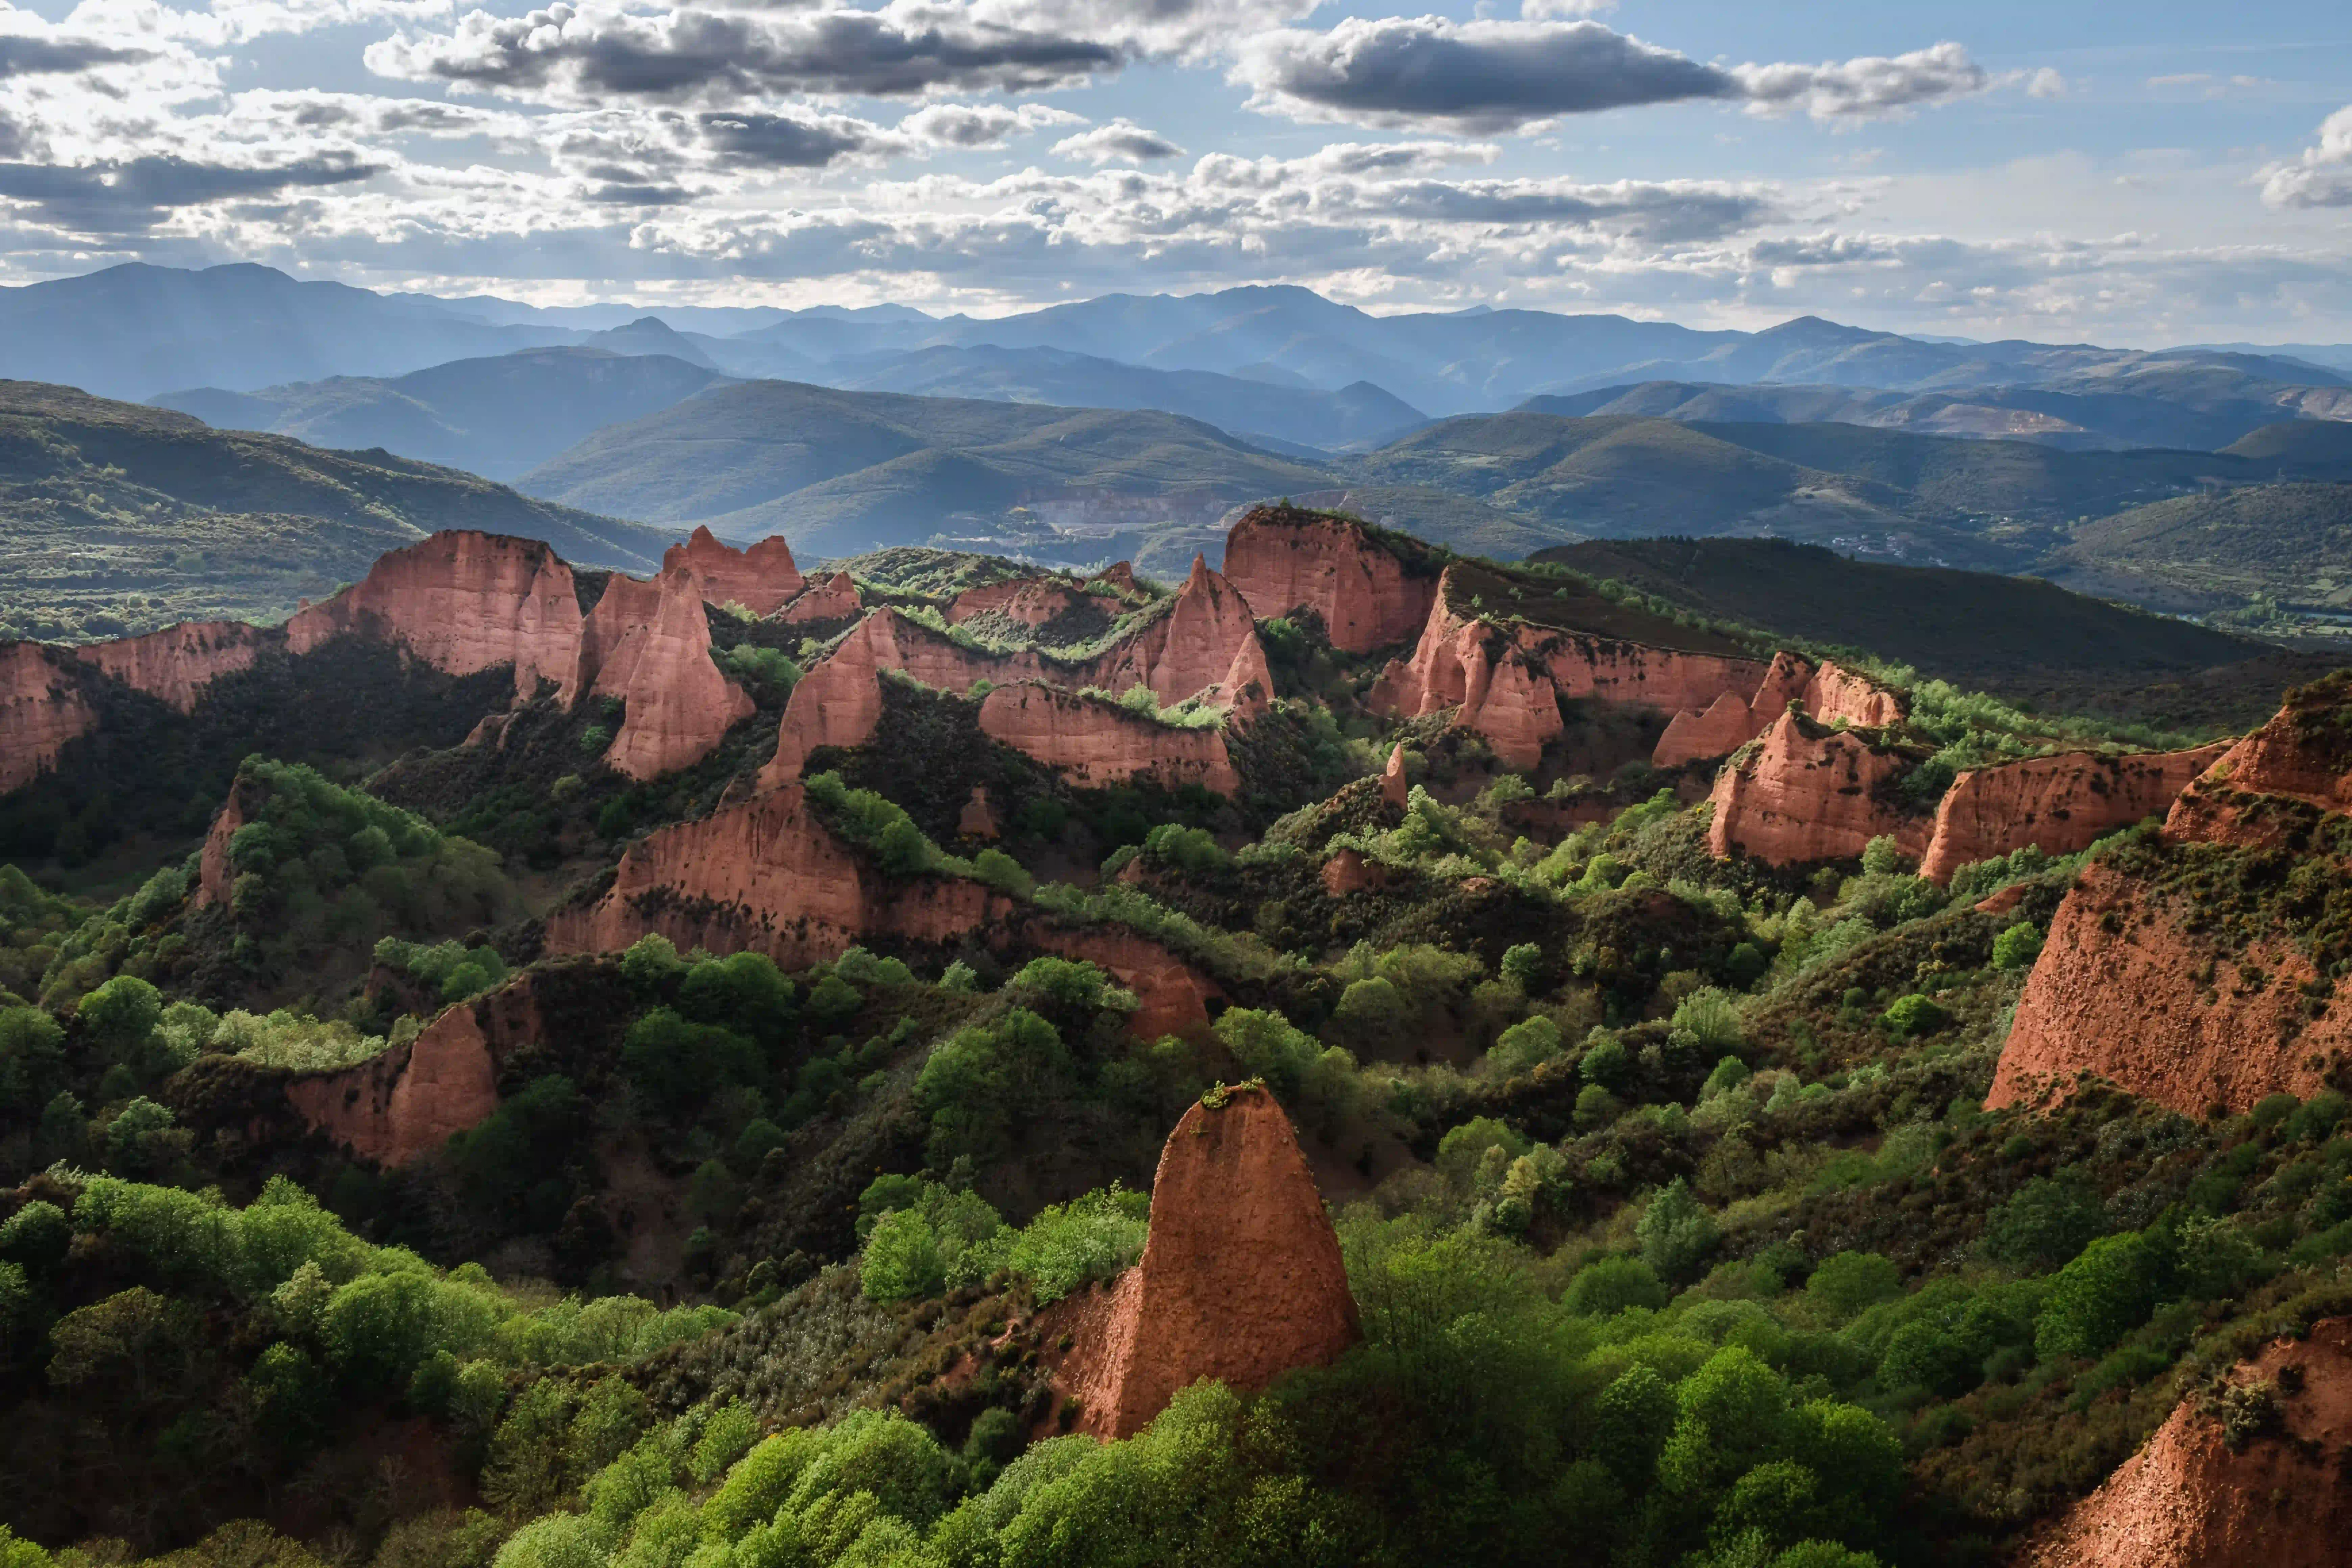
1847,1282
32,1058
1607,1288
901,1261
2101,1296
1676,1232
2017,947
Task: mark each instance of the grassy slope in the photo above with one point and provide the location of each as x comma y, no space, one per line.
2217,549
139,517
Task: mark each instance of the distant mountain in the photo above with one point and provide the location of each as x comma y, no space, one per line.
839,472
653,336
116,517
1359,415
134,330
2217,549
499,416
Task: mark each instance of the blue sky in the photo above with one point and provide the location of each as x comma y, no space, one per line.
2132,175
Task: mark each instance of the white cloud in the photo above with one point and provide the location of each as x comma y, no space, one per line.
1120,141
1869,87
2322,176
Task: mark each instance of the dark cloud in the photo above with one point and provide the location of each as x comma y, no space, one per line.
21,56
690,55
128,196
1120,141
1471,76
783,141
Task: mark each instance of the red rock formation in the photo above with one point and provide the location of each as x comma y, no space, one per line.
677,705
1027,601
1118,577
1469,665
1833,695
760,579
835,598
1206,642
1700,735
838,703
2123,994
1097,743
766,876
41,711
976,820
1809,793
179,661
462,602
215,876
2267,784
2190,1499
1394,787
407,1101
1283,559
1735,716
2060,804
1349,872
1171,997
1240,1280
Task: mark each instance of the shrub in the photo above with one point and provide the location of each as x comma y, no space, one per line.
1605,1289
1676,1232
2101,1296
1846,1283
2046,1223
1526,1045
901,1261
2017,947
1913,1016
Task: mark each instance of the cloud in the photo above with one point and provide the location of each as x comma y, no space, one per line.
1120,141
127,196
1478,75
594,53
785,141
2322,176
2045,83
1486,76
24,56
964,127
1872,86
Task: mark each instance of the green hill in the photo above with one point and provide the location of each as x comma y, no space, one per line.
839,472
116,517
2291,543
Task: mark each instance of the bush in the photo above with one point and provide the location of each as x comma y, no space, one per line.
901,1261
1605,1289
2046,1223
2101,1296
1676,1232
1846,1283
1913,1016
2017,947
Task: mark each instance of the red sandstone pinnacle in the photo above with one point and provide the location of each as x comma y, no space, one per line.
1207,642
976,820
41,711
461,602
1395,789
1240,1280
1808,794
1349,872
178,662
760,579
835,598
214,876
1097,744
1282,561
678,705
2188,1499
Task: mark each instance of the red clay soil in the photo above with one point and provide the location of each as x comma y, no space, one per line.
2189,1501
41,711
1240,1281
760,579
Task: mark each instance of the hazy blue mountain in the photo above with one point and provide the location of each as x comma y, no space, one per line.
499,416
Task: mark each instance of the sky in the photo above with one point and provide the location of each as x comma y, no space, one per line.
2063,171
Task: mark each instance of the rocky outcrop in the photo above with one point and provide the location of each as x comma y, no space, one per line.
2187,968
765,875
2059,804
1206,643
1809,793
833,598
1027,601
838,701
1095,744
1171,997
1350,872
677,705
1394,787
1241,1278
1482,673
180,661
407,1101
215,875
41,709
462,602
1732,718
1282,559
2274,1497
977,820
760,578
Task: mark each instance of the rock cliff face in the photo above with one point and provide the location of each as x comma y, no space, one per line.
766,876
2190,1499
1095,743
407,1101
462,602
1809,793
1479,669
1240,1280
2061,803
180,661
214,876
838,703
1171,997
1735,717
41,711
1030,601
678,707
1205,643
835,598
760,579
1283,559
2183,969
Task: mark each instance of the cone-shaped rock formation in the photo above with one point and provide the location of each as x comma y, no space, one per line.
462,602
760,579
1240,1280
1282,559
